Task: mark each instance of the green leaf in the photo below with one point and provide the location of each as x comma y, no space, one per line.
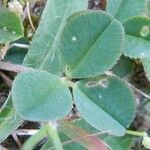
85,47
146,65
15,54
124,67
40,96
108,105
115,143
11,27
9,120
44,52
119,143
76,132
48,130
124,9
137,38
34,139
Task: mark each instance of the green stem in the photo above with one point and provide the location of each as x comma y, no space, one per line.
135,133
33,140
53,135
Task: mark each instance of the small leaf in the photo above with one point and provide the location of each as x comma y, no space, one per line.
124,9
146,65
124,67
11,27
40,96
119,143
109,106
85,47
45,51
15,54
137,38
9,120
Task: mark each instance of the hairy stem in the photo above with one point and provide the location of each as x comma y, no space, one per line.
135,133
53,135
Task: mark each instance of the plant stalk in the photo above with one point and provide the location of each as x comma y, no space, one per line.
53,135
135,133
33,140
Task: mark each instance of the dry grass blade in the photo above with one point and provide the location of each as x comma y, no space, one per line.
29,16
81,136
13,67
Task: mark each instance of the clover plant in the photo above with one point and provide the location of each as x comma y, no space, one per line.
70,61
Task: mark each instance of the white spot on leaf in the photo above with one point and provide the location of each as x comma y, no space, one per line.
142,54
100,96
91,84
74,38
104,83
145,31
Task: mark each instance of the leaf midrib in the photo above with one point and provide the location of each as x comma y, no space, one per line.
90,47
101,108
121,4
55,39
2,123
